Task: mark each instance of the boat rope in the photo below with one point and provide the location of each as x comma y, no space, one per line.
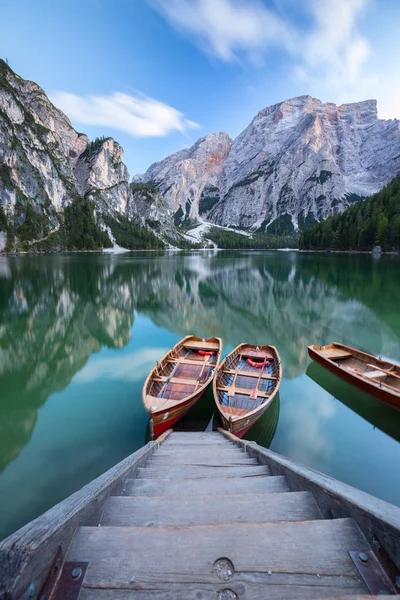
249,443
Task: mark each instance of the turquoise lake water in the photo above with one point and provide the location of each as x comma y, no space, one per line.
80,332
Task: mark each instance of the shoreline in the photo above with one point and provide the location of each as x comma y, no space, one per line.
109,252
370,252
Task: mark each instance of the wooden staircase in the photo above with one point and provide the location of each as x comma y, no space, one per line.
202,519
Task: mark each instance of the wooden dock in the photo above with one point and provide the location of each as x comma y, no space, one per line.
201,516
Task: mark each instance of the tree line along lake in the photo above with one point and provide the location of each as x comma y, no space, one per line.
80,332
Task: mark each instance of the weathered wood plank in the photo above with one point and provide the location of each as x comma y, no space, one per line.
202,451
194,472
158,511
26,555
205,461
243,391
252,374
195,434
248,590
212,486
376,518
199,442
311,553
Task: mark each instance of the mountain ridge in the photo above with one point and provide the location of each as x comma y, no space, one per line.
50,172
299,160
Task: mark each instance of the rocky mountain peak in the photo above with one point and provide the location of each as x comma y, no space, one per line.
46,166
360,112
183,177
297,162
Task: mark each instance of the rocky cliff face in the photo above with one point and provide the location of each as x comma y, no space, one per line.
46,166
296,163
188,177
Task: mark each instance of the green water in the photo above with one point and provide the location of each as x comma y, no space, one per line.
79,333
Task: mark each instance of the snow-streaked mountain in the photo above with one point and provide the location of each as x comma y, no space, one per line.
297,162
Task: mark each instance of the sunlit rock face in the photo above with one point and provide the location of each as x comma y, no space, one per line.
187,178
45,164
38,148
296,163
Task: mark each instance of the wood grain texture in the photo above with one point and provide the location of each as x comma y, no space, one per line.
198,443
313,553
194,472
194,435
352,369
206,451
212,486
205,510
202,460
25,556
375,517
249,590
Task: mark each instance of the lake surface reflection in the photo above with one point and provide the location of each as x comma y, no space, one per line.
79,333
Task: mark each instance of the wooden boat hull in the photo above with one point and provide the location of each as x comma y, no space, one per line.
377,388
239,420
164,420
179,380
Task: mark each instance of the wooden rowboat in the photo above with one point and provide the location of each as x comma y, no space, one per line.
179,380
245,385
376,377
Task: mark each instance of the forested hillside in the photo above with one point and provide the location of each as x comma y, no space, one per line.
230,240
374,221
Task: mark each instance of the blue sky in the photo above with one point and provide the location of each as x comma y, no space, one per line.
158,74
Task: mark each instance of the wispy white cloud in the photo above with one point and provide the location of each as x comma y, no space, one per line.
329,48
227,28
334,49
139,116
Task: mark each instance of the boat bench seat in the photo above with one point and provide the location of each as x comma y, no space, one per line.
333,354
374,374
186,381
208,346
249,374
388,372
187,361
243,391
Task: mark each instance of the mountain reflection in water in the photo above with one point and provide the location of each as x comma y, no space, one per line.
78,334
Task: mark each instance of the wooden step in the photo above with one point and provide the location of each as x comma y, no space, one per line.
176,443
203,450
163,511
197,471
307,559
180,446
211,461
196,435
206,485
202,454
